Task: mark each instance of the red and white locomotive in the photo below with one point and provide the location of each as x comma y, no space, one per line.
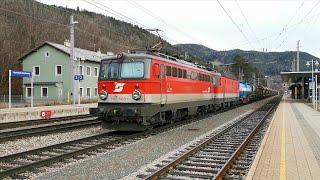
139,91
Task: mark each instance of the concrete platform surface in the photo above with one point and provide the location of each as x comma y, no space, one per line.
30,113
291,147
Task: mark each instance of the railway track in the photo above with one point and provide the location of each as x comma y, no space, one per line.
16,165
15,133
20,164
227,154
19,124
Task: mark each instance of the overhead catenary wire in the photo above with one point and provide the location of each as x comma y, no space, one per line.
113,12
310,25
247,22
237,26
33,17
300,22
102,7
290,28
117,14
161,20
55,23
294,15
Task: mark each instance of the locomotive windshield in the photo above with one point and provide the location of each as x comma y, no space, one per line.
125,70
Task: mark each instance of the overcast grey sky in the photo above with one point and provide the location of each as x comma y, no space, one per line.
272,25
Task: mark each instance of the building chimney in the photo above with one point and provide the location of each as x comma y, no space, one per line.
99,52
67,43
110,53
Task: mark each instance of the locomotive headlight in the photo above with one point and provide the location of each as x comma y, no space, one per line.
136,95
103,95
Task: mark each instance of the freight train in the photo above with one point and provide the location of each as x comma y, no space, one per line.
140,91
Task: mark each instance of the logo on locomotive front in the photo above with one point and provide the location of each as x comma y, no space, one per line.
118,87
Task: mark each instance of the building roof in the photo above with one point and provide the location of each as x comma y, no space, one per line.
82,54
292,75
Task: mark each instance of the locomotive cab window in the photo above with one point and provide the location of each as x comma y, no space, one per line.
180,73
109,71
122,70
168,73
132,70
184,74
174,72
162,71
188,74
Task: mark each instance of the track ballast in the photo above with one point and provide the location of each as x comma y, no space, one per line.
221,155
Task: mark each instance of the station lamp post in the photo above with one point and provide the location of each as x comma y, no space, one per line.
314,84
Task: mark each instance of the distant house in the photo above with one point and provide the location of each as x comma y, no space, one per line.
216,63
51,69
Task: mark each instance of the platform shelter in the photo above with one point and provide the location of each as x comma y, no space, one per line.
299,83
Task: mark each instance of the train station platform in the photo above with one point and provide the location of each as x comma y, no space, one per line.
43,112
291,146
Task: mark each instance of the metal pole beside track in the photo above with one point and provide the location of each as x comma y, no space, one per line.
316,92
9,89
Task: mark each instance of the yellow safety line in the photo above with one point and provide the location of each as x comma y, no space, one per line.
283,149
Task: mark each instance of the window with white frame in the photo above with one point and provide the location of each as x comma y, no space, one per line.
28,92
88,71
36,70
95,91
81,70
81,92
44,91
88,92
96,72
58,70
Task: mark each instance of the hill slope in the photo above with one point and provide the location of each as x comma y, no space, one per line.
270,63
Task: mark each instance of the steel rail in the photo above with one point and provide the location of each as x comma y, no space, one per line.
59,157
23,168
165,169
72,151
240,149
16,124
6,135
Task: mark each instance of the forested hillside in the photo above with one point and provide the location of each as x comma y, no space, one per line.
270,63
26,23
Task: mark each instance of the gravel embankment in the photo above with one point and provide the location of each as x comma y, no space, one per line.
29,143
124,161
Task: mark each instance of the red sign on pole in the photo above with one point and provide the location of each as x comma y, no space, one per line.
46,114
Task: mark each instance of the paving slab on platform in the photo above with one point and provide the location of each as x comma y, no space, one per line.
291,147
30,113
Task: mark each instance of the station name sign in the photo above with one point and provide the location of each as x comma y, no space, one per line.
14,73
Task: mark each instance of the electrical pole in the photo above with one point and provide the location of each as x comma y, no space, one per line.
72,59
293,65
298,55
239,73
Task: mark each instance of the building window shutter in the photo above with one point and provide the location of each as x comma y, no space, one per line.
88,92
44,91
58,70
36,70
88,71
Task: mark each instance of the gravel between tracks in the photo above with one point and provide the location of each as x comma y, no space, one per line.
29,143
124,161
